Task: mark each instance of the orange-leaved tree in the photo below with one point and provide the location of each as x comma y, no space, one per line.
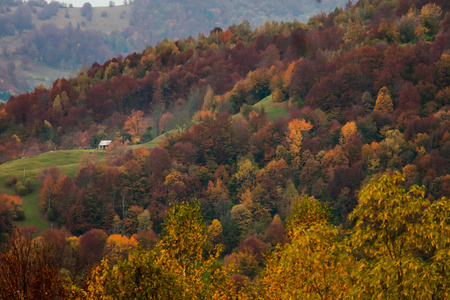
295,136
134,126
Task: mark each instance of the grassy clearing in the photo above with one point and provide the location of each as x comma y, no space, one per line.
152,144
273,110
32,167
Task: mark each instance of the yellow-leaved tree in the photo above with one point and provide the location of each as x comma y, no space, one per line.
347,131
384,101
138,277
315,265
295,136
117,247
178,268
402,241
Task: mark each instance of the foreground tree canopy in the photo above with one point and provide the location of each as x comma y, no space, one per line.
398,248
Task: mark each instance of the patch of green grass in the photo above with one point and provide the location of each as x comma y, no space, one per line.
157,140
149,145
32,167
273,110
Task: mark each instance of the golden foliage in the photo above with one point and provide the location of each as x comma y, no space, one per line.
117,247
335,157
384,102
178,268
208,100
346,131
389,31
315,265
278,95
295,137
355,30
174,176
215,229
396,233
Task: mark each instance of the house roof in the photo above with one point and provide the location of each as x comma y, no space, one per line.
105,142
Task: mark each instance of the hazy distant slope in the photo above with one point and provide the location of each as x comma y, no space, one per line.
176,19
43,49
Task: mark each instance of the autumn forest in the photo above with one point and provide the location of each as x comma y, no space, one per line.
288,161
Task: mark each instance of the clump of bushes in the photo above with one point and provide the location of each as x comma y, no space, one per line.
23,189
29,184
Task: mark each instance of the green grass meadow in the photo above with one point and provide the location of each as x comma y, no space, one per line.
67,161
273,110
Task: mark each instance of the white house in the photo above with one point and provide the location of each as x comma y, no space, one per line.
104,144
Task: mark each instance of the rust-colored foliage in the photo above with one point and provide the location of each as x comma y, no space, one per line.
29,270
134,126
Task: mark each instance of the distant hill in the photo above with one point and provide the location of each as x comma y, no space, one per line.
44,41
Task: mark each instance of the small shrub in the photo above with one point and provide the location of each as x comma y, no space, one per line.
295,102
21,190
246,109
19,214
11,181
29,184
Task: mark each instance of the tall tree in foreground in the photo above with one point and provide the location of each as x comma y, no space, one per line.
315,265
29,270
403,241
183,253
178,268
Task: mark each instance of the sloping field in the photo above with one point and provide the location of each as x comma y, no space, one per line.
32,167
273,110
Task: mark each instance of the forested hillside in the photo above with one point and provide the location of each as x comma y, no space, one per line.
340,193
42,41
